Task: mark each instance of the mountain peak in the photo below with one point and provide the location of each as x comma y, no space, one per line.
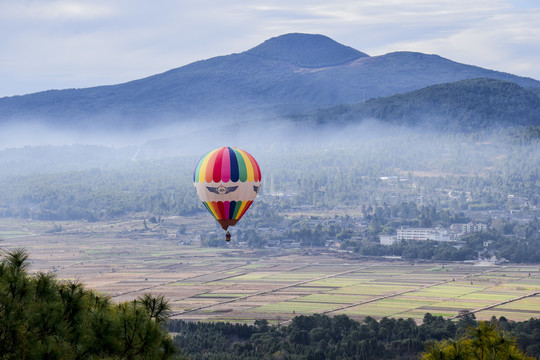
306,50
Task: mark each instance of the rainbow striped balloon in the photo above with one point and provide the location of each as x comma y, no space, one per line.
227,181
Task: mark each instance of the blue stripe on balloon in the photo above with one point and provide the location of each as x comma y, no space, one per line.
235,173
231,209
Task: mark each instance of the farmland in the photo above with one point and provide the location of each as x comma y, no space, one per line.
125,259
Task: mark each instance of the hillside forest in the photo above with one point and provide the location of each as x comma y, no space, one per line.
359,184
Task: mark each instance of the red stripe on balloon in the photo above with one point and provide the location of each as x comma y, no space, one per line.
226,166
216,210
226,210
221,210
217,165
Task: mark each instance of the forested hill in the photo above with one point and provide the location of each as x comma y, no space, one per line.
288,74
459,106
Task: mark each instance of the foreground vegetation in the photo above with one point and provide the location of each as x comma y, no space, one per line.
43,318
481,342
339,337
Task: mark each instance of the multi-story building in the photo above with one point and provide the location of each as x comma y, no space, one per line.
423,234
468,228
387,239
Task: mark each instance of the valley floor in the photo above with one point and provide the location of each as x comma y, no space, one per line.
125,259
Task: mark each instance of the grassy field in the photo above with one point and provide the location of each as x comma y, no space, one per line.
124,260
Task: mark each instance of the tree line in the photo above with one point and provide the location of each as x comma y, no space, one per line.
340,337
467,173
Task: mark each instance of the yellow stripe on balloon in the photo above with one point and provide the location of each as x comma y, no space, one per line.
240,210
202,172
211,208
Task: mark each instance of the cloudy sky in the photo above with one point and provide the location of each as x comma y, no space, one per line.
80,43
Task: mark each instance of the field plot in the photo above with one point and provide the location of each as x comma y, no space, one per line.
125,260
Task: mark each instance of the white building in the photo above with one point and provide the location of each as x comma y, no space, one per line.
423,234
387,239
468,228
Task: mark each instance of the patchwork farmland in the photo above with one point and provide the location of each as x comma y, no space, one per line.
124,260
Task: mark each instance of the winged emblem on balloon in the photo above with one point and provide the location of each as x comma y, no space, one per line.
222,190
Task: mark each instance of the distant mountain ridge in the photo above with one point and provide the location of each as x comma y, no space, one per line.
288,74
458,106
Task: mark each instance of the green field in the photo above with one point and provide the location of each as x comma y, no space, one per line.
13,234
124,261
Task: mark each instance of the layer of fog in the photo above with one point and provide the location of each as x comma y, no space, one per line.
76,150
39,149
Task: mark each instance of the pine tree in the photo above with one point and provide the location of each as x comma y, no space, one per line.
483,342
42,318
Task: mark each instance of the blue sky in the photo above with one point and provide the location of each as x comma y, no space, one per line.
80,43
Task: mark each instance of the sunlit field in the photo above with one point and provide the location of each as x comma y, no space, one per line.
123,260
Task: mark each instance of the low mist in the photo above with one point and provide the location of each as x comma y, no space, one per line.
38,148
66,176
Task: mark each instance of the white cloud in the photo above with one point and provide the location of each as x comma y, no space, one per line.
52,10
502,41
79,43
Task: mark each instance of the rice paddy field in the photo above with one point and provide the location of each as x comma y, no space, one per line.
124,260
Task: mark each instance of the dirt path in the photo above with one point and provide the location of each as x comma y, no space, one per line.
348,306
499,303
184,279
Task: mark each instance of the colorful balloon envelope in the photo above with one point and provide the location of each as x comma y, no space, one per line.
227,181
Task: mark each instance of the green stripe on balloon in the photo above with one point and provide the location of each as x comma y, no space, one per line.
242,169
237,207
208,208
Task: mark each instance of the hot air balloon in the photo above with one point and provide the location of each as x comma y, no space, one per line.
227,181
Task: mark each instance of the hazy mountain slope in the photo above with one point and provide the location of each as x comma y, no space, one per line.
288,74
464,105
